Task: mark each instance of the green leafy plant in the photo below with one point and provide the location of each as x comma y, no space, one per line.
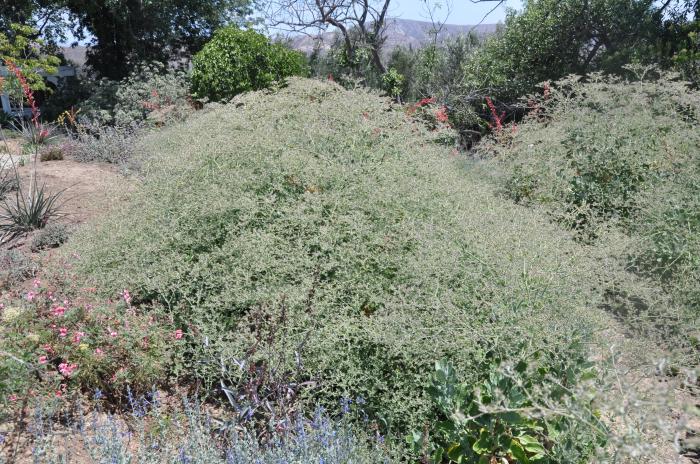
393,83
236,61
510,417
21,47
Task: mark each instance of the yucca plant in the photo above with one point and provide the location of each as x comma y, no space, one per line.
23,213
26,211
35,133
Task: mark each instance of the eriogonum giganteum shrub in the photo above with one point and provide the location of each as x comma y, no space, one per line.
335,207
55,342
237,60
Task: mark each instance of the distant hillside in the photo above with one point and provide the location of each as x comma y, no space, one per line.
400,32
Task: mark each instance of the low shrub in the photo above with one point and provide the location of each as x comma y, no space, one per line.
236,61
51,236
335,208
152,94
51,153
152,431
106,144
15,267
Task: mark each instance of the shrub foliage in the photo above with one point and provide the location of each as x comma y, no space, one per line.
334,208
611,156
236,61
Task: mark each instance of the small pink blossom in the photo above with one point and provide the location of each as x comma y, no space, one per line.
178,334
48,348
127,297
113,333
13,398
43,359
62,332
77,336
37,283
30,296
58,311
66,369
98,351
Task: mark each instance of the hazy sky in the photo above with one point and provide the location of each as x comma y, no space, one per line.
461,11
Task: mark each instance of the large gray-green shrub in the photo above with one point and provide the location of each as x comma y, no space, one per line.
611,156
383,252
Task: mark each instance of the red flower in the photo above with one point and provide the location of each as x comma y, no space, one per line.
425,101
498,120
26,90
441,114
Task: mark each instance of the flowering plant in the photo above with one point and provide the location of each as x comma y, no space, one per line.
435,117
67,338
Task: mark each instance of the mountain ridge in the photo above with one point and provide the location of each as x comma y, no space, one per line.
399,32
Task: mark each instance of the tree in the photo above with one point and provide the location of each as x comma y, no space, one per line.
20,49
552,38
360,23
130,31
48,18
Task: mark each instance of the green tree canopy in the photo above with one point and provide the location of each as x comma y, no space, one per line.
20,47
552,38
236,61
129,31
126,32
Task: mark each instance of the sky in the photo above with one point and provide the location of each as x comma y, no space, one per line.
460,11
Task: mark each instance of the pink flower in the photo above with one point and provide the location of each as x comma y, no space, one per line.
48,348
13,398
62,332
43,359
113,333
37,283
66,369
178,334
58,311
98,351
127,297
77,336
30,296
